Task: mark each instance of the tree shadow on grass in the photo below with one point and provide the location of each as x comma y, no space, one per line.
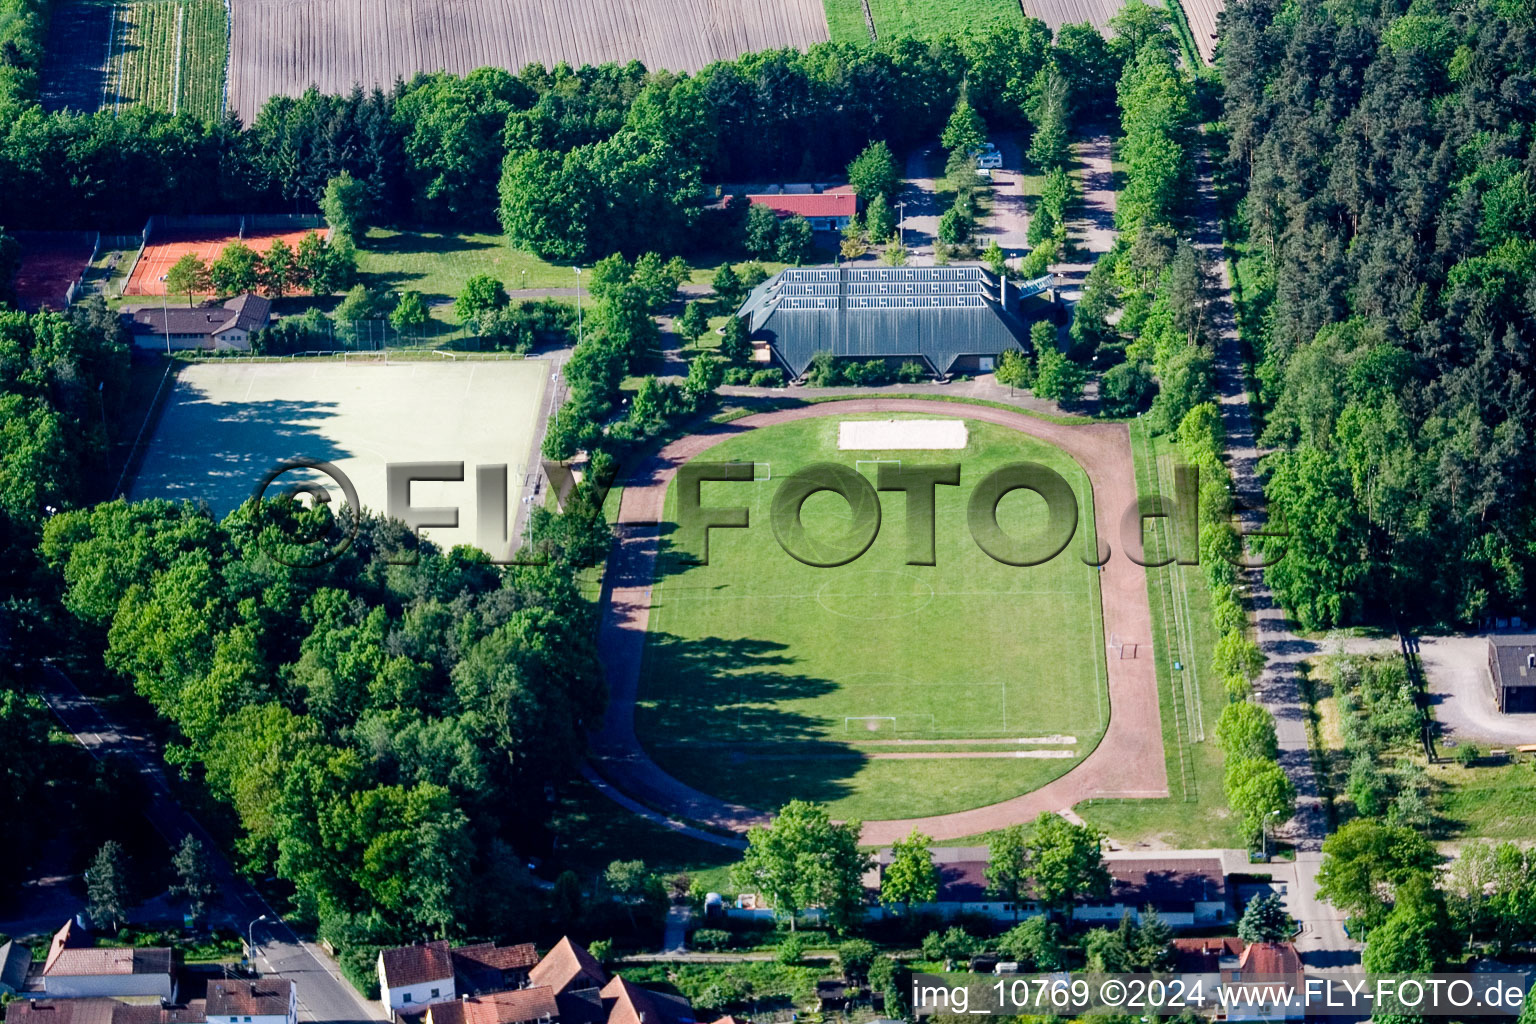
715,712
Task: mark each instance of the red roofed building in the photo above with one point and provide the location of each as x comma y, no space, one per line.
827,211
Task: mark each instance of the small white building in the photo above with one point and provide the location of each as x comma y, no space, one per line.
413,977
267,1001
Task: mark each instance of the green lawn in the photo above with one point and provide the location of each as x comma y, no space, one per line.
1196,815
845,21
920,19
1487,801
438,266
766,679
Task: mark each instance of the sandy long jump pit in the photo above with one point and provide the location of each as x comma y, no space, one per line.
901,435
228,424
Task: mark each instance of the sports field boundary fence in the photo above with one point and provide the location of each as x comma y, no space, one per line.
260,223
151,416
230,225
133,263
366,356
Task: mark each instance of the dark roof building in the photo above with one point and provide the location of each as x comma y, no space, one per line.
226,326
951,318
102,1011
1512,666
233,999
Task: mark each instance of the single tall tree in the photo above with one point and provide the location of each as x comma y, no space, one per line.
693,323
1008,866
345,206
1066,861
874,173
1264,920
910,877
188,276
803,860
966,132
194,877
106,886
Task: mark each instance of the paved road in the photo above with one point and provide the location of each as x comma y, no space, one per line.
1461,693
1091,228
1323,943
323,994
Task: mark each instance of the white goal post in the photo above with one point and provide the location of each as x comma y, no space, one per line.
859,464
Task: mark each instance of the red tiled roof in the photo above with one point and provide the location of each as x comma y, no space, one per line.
1266,958
564,964
266,998
416,965
824,204
626,1003
107,960
499,958
518,1006
1203,956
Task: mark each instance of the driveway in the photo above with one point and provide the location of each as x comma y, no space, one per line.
1461,692
920,219
1091,224
1008,223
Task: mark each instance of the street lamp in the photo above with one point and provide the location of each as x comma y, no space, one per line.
1264,830
578,305
901,224
250,940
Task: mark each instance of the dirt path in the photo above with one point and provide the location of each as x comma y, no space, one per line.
1128,762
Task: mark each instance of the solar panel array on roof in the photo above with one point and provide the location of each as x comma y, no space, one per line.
796,302
913,301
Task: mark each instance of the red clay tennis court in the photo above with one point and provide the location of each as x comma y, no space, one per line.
149,273
51,261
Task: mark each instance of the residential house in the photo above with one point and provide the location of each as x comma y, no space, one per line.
827,211
229,326
627,1003
74,970
485,984
268,1001
103,1011
15,962
1512,668
534,1005
1268,965
487,967
411,977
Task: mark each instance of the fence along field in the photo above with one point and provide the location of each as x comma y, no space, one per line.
281,47
169,54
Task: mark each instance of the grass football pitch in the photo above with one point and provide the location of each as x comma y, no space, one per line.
883,689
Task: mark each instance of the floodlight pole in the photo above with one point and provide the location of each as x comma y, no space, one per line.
165,314
901,225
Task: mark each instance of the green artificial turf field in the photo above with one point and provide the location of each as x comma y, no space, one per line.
766,679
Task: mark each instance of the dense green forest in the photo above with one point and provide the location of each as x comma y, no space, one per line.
1389,224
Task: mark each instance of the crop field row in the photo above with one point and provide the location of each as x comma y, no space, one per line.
925,19
168,54
281,47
